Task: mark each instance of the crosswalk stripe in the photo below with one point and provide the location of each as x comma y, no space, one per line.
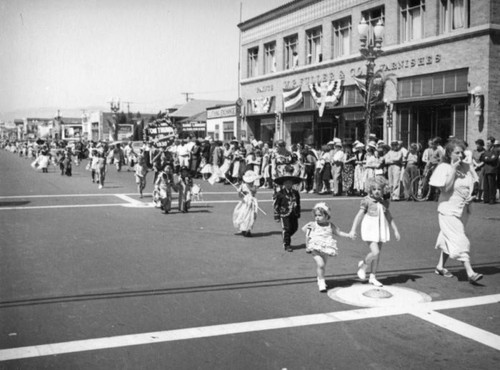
259,325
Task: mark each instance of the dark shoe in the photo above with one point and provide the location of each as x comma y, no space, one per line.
443,272
473,279
287,248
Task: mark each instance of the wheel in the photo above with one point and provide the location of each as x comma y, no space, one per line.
420,189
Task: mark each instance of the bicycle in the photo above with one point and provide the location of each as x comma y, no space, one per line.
420,190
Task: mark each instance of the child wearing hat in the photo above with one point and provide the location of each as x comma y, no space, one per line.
245,212
320,241
287,208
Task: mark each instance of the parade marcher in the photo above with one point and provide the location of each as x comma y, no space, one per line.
43,160
375,219
320,241
455,179
287,207
310,160
101,169
162,196
245,212
141,170
94,168
184,186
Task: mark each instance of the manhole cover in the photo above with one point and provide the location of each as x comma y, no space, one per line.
365,295
377,293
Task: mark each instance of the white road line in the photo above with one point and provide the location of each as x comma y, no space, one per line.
132,201
64,206
238,328
461,328
126,198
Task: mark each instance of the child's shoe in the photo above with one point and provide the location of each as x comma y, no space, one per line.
362,270
373,281
322,285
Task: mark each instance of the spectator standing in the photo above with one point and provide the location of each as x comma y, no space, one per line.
490,159
478,166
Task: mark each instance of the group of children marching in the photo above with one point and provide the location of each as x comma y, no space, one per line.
374,217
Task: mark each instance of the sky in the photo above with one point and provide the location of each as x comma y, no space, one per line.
67,54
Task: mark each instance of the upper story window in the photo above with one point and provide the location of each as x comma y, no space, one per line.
372,17
270,57
412,19
314,39
342,30
253,65
454,15
290,52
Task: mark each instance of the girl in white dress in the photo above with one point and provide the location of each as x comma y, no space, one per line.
245,212
320,242
375,219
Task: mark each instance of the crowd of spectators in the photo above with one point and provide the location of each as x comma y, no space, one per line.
336,168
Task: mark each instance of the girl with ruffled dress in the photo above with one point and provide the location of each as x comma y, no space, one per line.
320,242
245,212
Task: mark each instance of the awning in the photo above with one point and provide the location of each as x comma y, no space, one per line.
423,99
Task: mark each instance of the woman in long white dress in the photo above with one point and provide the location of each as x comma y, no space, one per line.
455,178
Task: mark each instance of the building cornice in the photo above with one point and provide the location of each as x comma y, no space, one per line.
281,11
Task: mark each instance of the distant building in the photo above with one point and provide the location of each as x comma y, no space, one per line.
443,55
187,117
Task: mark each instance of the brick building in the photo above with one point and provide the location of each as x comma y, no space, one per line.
441,58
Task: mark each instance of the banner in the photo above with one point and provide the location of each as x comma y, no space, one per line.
161,131
326,93
262,105
292,98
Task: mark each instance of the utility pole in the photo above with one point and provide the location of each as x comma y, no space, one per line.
187,95
128,105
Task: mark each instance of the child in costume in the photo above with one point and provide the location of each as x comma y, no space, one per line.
376,218
163,189
141,169
287,208
320,241
184,185
245,212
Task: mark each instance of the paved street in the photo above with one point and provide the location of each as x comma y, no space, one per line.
99,279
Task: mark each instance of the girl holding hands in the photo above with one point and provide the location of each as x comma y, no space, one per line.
375,219
320,242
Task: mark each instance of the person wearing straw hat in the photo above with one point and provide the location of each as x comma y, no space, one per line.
245,212
287,207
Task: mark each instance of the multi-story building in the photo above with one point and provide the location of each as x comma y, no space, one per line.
301,66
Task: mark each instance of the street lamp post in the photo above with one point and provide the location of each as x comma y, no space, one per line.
370,52
57,128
